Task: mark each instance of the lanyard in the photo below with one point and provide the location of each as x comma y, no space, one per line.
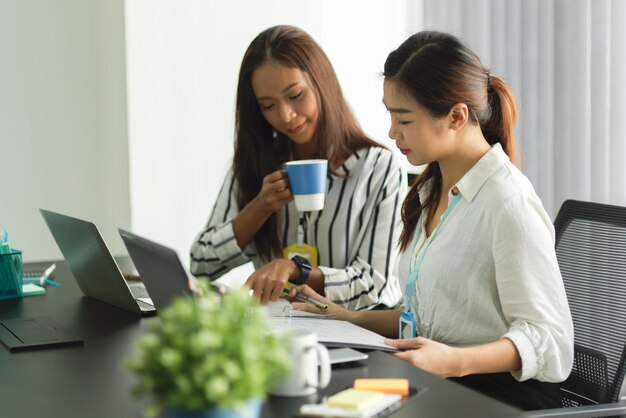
411,283
300,247
302,225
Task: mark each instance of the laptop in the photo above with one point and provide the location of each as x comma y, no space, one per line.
160,268
96,272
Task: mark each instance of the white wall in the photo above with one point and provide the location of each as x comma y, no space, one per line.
63,104
63,134
183,62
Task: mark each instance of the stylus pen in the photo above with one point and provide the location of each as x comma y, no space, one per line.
307,299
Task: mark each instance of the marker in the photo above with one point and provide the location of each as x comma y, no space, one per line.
307,299
5,248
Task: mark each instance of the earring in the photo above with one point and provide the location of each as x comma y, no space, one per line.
274,134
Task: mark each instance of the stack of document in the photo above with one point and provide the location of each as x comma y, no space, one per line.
351,403
330,332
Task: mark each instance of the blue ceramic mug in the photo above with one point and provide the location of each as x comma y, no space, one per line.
307,180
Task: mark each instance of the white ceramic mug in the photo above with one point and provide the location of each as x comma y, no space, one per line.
306,353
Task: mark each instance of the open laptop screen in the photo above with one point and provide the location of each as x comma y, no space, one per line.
160,268
92,265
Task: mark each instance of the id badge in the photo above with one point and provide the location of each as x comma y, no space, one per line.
305,250
407,327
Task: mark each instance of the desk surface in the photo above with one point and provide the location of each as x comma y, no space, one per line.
88,380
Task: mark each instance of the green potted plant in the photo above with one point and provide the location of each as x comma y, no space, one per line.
209,356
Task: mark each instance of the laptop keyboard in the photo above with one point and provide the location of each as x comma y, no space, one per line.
145,306
138,290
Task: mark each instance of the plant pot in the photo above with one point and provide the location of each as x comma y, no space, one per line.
249,409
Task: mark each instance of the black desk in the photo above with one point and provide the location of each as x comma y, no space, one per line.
89,381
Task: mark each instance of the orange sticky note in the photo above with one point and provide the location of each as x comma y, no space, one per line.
398,386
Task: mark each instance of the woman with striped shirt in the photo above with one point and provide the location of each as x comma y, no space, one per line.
290,107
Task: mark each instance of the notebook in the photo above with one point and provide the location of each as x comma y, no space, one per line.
96,272
335,332
160,268
40,332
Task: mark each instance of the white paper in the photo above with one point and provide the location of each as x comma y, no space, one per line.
334,332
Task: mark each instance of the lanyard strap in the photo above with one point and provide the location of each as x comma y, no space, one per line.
302,223
413,270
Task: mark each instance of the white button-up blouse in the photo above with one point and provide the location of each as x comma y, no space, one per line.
491,272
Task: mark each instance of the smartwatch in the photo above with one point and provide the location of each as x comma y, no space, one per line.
304,267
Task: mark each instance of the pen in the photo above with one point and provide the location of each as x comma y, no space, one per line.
307,299
46,274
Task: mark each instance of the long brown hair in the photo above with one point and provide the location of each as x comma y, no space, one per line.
439,71
258,151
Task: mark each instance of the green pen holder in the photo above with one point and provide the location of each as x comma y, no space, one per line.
11,275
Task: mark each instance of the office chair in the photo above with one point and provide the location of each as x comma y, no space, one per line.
591,251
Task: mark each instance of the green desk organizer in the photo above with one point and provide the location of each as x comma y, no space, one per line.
11,275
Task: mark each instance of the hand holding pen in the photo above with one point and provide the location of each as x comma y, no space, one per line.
306,299
302,297
331,309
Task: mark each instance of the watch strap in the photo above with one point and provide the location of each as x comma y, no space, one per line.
305,270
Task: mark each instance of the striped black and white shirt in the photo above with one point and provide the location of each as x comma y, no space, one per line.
356,233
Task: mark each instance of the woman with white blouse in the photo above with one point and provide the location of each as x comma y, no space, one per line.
290,107
484,301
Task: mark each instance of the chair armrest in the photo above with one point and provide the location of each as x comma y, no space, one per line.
600,410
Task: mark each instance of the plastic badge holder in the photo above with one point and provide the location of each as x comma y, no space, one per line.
11,275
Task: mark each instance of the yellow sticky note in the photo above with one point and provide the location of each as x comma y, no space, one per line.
354,399
399,386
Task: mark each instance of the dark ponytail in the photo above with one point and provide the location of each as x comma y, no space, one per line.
501,125
439,71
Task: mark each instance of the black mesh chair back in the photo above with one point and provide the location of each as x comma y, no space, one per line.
591,250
